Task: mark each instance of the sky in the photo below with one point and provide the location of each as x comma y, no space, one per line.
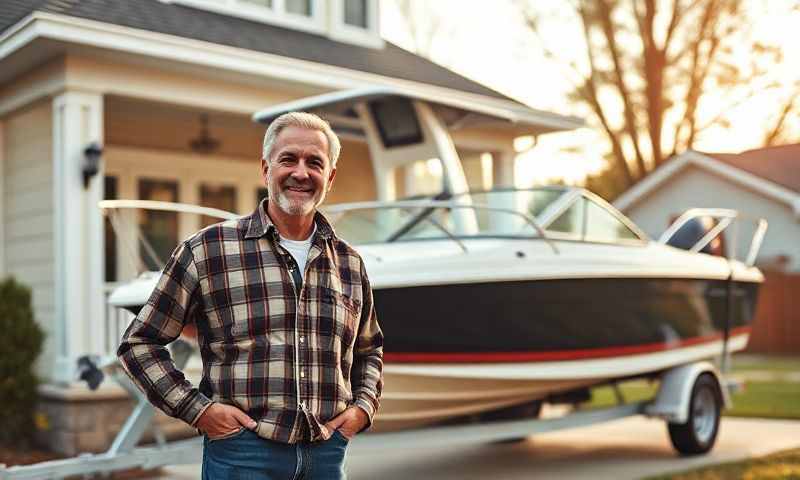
488,42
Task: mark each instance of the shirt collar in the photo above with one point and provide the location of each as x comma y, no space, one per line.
260,224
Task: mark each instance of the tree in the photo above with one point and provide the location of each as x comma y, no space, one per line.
20,344
655,74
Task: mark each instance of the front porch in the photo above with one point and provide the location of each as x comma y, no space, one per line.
149,123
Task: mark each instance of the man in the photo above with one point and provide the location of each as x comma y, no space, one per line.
292,351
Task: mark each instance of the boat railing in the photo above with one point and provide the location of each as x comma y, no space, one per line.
725,218
440,204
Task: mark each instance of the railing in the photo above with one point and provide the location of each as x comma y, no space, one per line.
116,321
423,210
725,218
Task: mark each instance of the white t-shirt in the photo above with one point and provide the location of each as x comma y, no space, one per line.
299,249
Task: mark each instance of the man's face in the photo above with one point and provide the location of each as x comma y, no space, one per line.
298,173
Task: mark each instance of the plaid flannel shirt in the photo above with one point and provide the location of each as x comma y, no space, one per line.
290,358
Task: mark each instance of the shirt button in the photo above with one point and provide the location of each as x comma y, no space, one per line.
302,339
302,374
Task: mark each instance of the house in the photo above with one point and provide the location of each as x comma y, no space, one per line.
761,183
162,92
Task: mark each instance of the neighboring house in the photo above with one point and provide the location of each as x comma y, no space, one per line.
167,88
761,183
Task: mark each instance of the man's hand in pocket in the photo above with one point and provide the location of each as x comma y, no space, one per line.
219,420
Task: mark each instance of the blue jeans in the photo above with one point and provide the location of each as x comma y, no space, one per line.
246,456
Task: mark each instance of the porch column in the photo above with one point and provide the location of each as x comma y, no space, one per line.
77,232
503,168
503,178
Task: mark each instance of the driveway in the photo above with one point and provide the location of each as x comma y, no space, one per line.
630,448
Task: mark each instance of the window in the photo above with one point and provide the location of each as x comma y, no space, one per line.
159,229
260,3
216,196
355,13
356,22
299,7
591,221
571,221
110,193
304,15
603,226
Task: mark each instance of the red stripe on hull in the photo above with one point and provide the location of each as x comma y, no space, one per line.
557,355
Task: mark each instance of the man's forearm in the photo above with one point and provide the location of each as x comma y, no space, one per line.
150,366
367,381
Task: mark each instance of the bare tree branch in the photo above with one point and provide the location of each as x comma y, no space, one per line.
773,135
631,125
590,93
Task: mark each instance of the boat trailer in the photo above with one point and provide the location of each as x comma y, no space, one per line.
678,401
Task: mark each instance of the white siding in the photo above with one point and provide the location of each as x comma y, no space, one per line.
695,187
27,213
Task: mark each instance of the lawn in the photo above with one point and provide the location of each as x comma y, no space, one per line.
743,363
781,465
768,398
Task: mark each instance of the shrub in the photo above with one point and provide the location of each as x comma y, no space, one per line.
20,344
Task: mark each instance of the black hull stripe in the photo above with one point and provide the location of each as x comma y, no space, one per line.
563,355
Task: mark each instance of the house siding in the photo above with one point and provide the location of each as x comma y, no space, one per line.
28,213
696,187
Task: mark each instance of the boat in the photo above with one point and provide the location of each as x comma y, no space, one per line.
495,302
489,311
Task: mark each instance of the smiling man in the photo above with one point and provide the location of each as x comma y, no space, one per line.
292,351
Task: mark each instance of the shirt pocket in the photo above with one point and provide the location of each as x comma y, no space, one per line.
339,316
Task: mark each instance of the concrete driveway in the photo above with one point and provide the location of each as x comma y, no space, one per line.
631,448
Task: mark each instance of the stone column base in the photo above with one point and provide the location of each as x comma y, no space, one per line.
73,420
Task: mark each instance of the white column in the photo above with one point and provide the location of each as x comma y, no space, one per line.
503,168
78,232
2,202
188,192
127,240
503,178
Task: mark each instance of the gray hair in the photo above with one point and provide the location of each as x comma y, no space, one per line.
303,120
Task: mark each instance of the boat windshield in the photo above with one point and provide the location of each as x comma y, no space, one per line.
498,214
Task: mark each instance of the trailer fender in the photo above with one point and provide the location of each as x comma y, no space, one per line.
674,393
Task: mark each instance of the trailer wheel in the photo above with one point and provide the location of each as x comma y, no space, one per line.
698,434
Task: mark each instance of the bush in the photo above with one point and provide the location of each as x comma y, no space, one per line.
20,344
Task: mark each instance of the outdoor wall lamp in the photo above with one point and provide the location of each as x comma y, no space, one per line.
91,164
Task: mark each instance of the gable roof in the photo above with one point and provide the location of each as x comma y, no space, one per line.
727,166
193,23
779,164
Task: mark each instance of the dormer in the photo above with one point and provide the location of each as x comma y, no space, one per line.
350,21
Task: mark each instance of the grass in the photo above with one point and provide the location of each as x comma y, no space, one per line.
767,400
743,363
758,399
781,465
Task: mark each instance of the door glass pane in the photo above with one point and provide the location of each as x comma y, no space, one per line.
110,193
571,221
261,3
159,229
355,13
603,226
299,7
216,196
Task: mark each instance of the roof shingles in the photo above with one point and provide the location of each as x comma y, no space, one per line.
779,164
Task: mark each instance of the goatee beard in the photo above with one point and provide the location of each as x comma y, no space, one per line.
290,207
